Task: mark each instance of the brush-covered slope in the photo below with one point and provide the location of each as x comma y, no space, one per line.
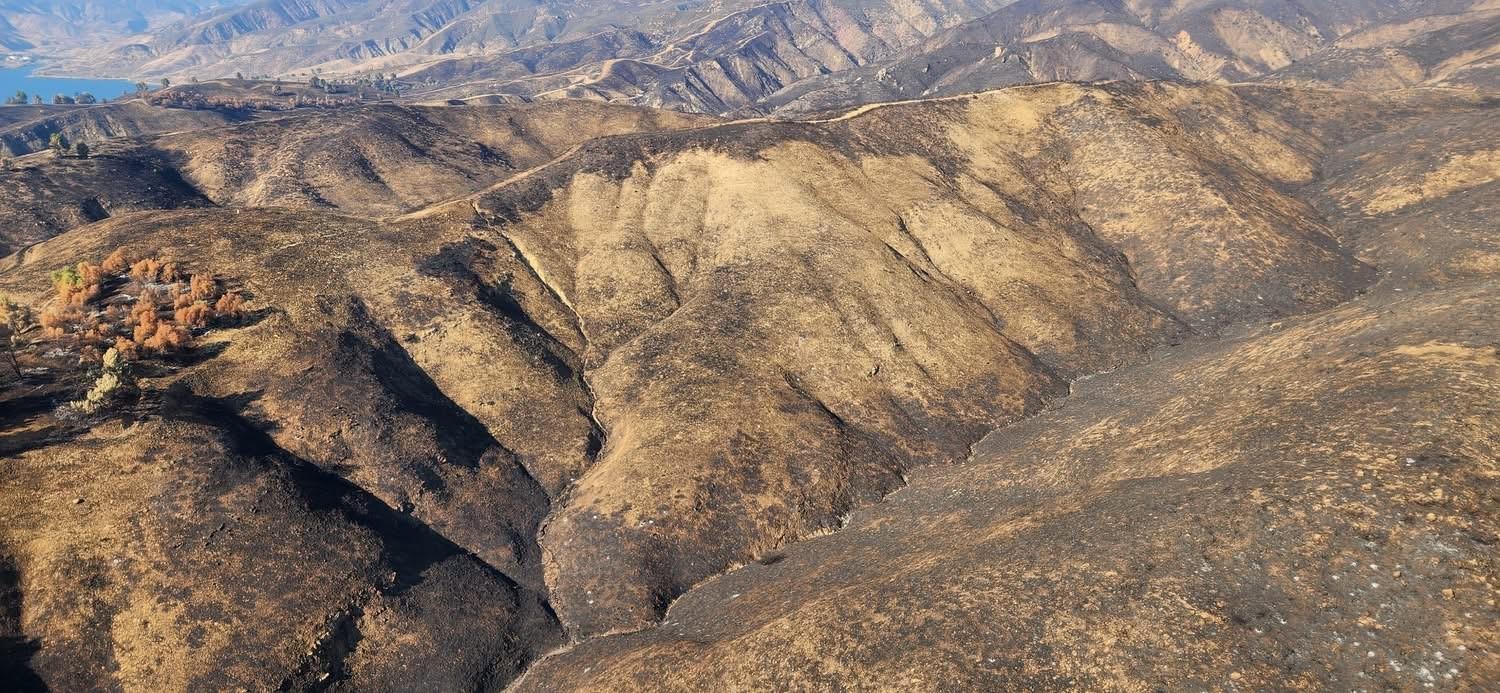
550,408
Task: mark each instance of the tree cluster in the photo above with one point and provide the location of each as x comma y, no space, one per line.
59,143
123,309
137,307
194,100
81,98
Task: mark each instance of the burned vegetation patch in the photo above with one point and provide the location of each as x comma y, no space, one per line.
81,355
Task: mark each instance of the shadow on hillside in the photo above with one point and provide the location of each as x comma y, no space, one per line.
16,650
411,545
26,412
32,408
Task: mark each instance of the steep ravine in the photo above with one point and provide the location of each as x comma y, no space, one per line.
1199,344
659,244
1258,498
1188,343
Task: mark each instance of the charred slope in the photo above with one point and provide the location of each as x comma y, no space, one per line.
387,159
47,195
193,526
664,355
330,382
29,129
371,160
1238,514
1051,230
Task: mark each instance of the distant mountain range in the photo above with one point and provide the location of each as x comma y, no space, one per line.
740,56
52,25
1369,44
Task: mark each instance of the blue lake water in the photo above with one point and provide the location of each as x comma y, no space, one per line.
21,79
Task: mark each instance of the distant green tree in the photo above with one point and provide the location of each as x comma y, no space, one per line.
67,277
166,82
36,99
83,150
239,75
58,143
20,97
141,88
63,100
86,98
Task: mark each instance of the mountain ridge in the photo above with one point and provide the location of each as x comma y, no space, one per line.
805,56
